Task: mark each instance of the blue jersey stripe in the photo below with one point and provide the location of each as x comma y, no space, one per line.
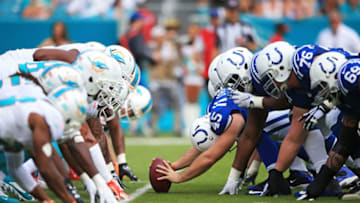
279,118
278,128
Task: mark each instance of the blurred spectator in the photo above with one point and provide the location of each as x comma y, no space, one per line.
327,6
193,67
149,21
280,30
246,6
202,12
270,8
299,9
38,9
58,37
208,35
339,35
234,33
134,41
163,81
89,8
350,8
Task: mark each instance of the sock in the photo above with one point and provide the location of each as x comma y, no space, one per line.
330,142
30,166
121,158
315,148
99,161
268,150
254,167
298,165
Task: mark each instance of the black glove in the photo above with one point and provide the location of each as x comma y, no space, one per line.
73,191
278,185
124,169
321,181
117,179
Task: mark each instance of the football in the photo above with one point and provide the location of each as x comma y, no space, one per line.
158,186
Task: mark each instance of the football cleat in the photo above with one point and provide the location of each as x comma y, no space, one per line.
117,179
346,177
333,189
124,169
353,194
299,179
118,192
13,188
257,189
73,191
5,198
73,175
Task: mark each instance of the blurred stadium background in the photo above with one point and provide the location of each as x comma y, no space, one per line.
177,37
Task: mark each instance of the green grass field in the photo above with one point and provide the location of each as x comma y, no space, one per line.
201,189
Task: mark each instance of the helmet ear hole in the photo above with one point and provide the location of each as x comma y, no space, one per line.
246,66
90,79
67,121
335,76
282,67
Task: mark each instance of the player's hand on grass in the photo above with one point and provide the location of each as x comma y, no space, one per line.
278,185
168,173
103,191
231,187
89,187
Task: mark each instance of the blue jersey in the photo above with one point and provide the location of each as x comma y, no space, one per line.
348,82
220,110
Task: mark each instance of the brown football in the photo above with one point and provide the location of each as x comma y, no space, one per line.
158,185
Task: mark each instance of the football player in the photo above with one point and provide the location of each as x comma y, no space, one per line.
282,72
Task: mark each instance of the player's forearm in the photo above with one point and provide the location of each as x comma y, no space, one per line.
117,136
292,142
199,166
245,147
55,54
81,152
186,159
276,104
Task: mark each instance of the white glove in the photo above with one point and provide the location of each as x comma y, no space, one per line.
92,110
358,130
313,116
233,182
231,187
104,192
89,185
247,100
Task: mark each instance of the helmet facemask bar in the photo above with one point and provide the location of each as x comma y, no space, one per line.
323,92
270,86
111,97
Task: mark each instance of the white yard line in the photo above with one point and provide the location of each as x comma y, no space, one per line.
157,141
139,192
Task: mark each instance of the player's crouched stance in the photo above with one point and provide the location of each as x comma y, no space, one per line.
227,122
348,102
225,119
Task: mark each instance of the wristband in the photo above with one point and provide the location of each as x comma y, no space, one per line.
257,102
234,174
99,181
84,177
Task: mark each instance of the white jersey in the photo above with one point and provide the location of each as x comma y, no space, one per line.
15,131
277,124
20,88
326,123
21,60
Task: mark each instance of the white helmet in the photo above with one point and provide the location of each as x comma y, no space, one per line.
211,89
93,45
213,75
273,64
323,75
138,103
72,105
103,81
201,135
233,69
60,73
127,63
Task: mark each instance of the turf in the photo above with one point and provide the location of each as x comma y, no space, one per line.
201,189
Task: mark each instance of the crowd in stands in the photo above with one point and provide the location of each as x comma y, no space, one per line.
176,58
